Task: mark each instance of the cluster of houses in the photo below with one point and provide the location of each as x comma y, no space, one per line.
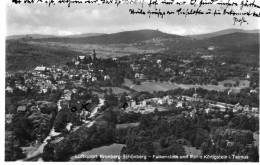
177,67
187,71
214,106
148,105
46,79
185,103
43,79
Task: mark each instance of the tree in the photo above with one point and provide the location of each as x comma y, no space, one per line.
22,128
122,99
111,100
41,124
48,153
12,150
164,142
61,120
13,153
214,82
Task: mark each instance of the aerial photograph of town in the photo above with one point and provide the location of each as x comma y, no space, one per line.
80,86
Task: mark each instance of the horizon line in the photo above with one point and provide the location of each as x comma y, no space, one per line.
255,29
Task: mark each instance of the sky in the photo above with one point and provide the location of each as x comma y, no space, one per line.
78,19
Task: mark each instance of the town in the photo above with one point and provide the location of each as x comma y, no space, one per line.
148,104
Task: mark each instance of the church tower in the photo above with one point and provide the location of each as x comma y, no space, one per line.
94,54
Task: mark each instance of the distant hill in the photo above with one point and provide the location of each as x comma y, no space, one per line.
83,35
21,55
237,45
29,36
240,47
42,36
125,37
222,32
235,39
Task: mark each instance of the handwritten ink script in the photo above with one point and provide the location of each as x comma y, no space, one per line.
239,10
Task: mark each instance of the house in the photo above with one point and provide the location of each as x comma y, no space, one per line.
179,104
186,61
34,108
246,108
139,76
161,101
81,58
211,48
207,57
159,62
8,75
192,114
219,106
143,103
43,90
61,82
253,91
255,109
244,83
207,110
132,103
74,90
188,71
228,83
9,89
106,77
67,97
94,79
84,115
237,107
21,108
77,63
135,67
23,88
195,96
8,118
248,76
168,100
167,70
230,91
69,126
40,69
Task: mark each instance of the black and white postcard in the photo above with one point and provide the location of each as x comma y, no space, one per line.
131,81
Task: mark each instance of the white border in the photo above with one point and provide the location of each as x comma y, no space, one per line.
3,30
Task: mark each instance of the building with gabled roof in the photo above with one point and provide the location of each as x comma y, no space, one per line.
21,108
40,68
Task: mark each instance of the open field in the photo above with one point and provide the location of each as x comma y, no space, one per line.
116,90
149,86
105,50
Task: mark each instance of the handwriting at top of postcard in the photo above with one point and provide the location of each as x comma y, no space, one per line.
238,9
